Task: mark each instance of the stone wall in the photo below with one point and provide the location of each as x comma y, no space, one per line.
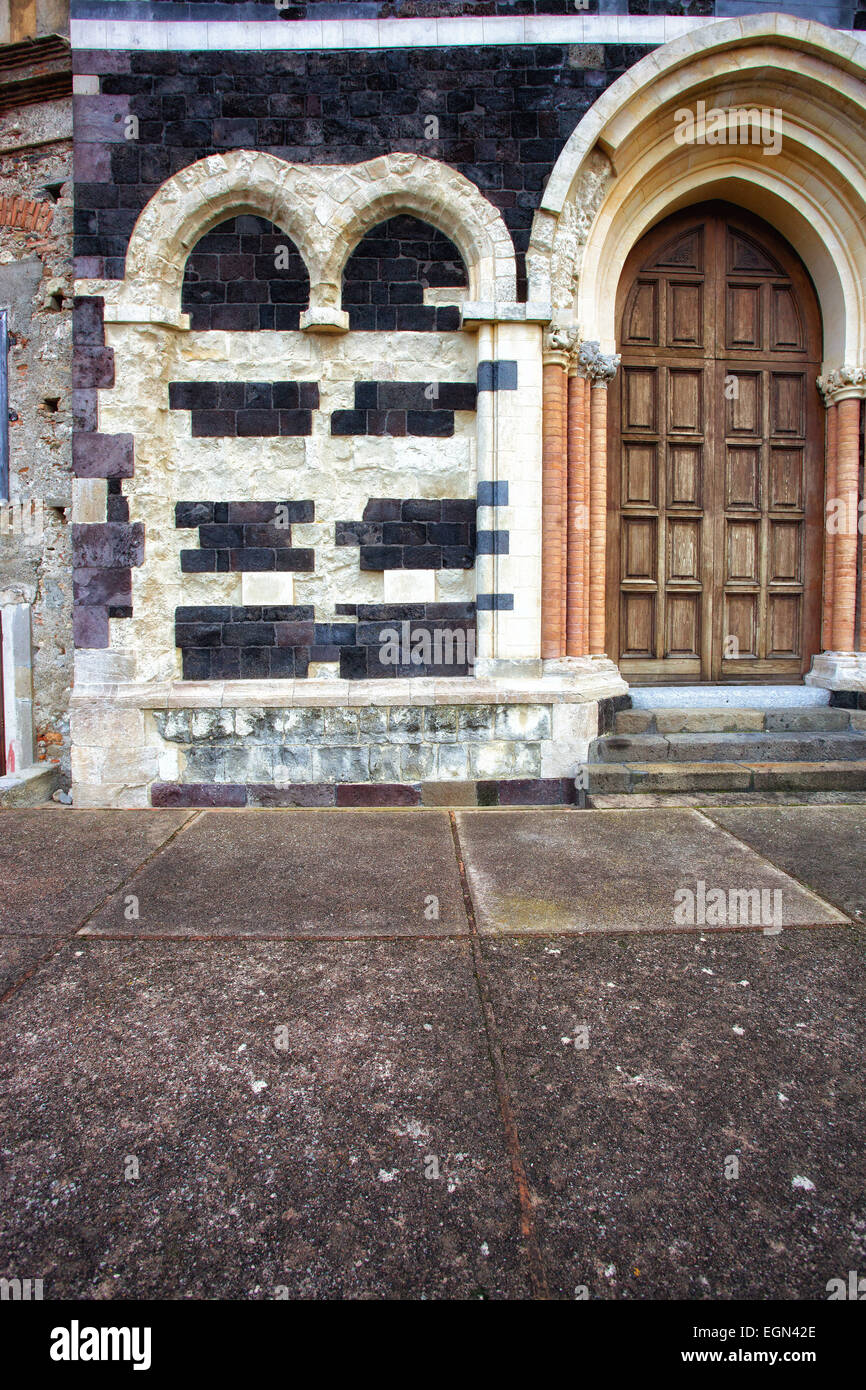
36,290
481,748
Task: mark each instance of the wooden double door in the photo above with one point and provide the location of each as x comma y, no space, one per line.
715,471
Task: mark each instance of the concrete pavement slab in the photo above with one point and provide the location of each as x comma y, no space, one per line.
823,846
704,1057
298,873
18,955
57,864
233,1120
570,871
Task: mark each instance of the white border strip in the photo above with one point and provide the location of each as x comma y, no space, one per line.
221,35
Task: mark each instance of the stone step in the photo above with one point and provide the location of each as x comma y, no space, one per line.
621,779
31,786
646,801
734,696
779,747
726,720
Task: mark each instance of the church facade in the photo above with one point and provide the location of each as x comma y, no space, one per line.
440,377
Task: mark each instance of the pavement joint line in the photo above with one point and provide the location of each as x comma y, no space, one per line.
71,936
235,937
525,1197
765,858
124,883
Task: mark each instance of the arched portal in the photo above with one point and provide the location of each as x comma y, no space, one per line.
715,459
642,153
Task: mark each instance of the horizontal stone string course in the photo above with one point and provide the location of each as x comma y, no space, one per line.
246,409
413,533
244,537
399,408
377,641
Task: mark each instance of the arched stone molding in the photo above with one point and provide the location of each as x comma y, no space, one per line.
438,194
324,209
623,170
813,191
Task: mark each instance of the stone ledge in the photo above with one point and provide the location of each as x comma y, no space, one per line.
31,786
595,683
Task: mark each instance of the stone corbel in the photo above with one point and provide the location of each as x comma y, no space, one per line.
843,384
324,314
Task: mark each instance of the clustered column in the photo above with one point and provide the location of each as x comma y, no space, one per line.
574,494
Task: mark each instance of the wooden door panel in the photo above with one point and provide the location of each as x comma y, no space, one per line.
642,315
639,548
784,625
683,549
683,637
787,403
640,474
685,314
638,625
744,403
743,479
716,467
787,478
786,546
744,320
685,401
741,624
786,322
685,463
641,399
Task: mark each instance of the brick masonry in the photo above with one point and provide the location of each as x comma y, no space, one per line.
399,408
413,533
246,409
503,117
369,641
245,274
388,272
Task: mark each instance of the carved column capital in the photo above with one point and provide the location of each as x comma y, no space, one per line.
843,383
560,344
600,368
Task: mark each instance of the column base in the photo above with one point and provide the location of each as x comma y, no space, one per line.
838,671
581,668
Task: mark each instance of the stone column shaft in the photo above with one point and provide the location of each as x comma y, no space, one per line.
578,509
829,538
845,548
597,517
553,505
